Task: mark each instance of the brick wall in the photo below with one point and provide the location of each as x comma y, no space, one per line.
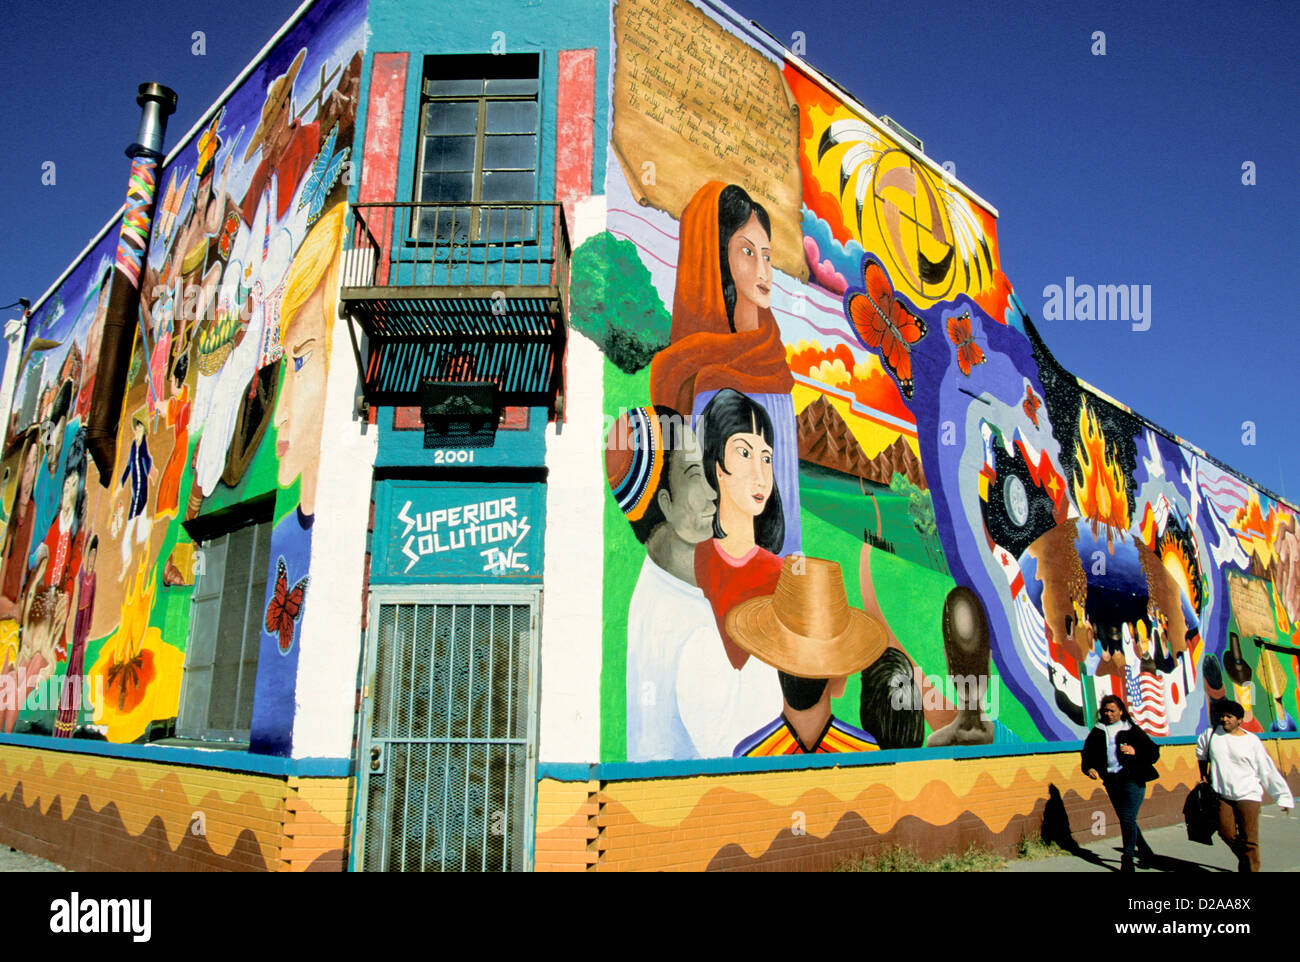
96,813
815,819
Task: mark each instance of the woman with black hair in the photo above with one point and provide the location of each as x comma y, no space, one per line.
740,561
723,333
1123,756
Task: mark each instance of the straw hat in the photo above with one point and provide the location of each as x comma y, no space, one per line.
806,628
279,100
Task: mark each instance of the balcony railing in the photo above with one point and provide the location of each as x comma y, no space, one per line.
482,246
459,292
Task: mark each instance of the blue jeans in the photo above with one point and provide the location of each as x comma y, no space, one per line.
1127,797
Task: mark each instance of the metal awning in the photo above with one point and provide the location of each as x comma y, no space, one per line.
459,293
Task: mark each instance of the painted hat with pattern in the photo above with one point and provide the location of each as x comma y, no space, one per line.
634,459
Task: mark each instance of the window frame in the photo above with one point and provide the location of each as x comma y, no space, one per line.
481,64
257,517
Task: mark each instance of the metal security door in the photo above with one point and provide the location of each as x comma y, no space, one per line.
447,758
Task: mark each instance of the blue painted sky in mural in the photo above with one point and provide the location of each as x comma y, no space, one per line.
1118,169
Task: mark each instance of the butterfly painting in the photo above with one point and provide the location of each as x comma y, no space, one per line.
1031,404
883,324
285,606
324,175
968,352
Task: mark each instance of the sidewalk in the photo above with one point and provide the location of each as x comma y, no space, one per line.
1279,848
12,860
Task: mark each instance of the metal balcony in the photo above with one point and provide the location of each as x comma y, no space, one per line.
459,292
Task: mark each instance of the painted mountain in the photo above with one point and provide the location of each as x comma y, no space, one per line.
825,439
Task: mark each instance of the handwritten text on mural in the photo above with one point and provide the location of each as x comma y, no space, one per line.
700,105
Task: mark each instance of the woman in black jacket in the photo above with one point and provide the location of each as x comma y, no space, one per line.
1123,756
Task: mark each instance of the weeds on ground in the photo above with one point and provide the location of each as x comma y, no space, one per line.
1032,848
898,859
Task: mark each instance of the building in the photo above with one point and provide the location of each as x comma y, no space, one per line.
524,436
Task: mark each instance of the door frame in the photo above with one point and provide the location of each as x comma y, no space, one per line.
447,594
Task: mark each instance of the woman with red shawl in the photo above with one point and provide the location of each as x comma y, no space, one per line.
723,333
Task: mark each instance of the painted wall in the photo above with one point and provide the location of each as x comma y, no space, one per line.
97,812
573,43
603,818
236,386
865,467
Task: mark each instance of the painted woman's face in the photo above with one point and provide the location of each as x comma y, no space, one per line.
69,492
747,478
749,254
301,407
28,479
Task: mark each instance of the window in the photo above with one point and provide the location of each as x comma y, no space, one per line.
478,142
225,632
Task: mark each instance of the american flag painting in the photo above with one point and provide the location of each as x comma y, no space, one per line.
1146,701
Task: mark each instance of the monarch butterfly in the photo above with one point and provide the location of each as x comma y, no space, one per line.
968,352
285,606
882,323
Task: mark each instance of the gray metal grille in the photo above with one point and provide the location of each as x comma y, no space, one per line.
446,758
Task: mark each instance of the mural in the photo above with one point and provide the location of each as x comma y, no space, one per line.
224,404
858,432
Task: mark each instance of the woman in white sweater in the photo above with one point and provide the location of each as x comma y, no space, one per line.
1239,770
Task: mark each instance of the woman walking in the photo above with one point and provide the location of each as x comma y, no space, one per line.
1123,756
1238,769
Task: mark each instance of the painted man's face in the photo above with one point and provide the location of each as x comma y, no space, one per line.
301,407
690,506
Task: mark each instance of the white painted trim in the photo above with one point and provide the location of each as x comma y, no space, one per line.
574,565
328,663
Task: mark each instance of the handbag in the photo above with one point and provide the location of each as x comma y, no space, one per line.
1201,809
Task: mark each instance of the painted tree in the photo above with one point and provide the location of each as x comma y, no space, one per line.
614,302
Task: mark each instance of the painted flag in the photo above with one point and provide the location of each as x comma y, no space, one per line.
1150,712
1032,629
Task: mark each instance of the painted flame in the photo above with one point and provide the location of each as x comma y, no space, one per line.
1174,558
1255,530
1098,483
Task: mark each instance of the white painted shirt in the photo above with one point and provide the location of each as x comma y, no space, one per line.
684,700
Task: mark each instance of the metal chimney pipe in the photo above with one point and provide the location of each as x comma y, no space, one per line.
157,104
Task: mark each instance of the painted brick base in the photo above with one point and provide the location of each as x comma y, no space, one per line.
95,813
815,819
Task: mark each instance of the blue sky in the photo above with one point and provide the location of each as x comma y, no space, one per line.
1117,169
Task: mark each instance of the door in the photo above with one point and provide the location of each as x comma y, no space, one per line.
447,749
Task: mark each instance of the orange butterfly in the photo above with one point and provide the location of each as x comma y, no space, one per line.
968,352
882,323
285,606
1031,404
